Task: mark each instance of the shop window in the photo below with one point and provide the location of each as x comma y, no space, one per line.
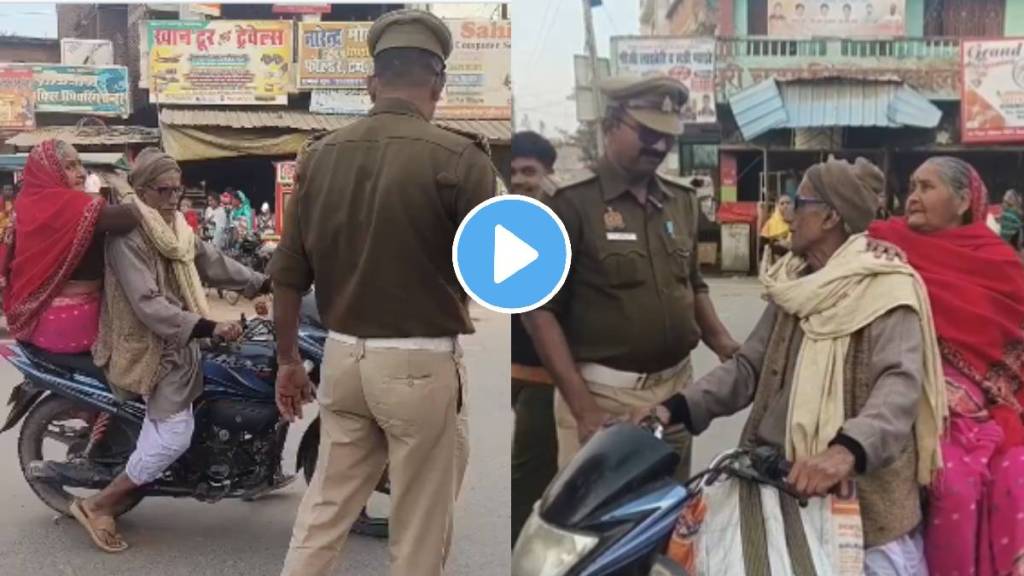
694,158
964,18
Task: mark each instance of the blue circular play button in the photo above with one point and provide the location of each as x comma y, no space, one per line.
511,254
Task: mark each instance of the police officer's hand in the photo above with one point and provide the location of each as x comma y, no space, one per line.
817,475
590,421
658,411
293,389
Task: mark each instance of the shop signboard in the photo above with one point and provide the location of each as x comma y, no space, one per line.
348,102
219,62
93,90
992,103
689,60
17,99
837,18
284,185
333,55
82,52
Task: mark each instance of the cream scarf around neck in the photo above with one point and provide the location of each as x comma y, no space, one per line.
177,243
850,292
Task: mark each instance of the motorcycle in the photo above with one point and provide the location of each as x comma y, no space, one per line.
612,510
236,449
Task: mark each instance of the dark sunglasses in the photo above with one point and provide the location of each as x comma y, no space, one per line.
170,190
647,136
799,201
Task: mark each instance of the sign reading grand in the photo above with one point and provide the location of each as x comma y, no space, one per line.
992,102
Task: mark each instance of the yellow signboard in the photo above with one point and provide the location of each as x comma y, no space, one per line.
219,62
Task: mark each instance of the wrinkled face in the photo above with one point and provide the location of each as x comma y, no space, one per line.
811,219
527,175
72,167
932,206
636,148
786,208
163,194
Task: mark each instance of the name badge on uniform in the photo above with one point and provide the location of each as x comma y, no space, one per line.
670,228
622,236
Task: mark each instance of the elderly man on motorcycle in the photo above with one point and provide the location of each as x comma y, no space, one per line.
154,313
842,370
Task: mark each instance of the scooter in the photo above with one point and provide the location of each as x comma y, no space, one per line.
611,511
77,434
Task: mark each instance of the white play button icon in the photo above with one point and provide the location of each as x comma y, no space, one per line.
511,254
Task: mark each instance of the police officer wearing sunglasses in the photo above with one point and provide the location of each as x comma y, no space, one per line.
618,336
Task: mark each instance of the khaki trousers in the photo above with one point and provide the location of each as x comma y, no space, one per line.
385,407
619,402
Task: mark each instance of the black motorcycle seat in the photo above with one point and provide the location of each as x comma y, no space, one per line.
80,363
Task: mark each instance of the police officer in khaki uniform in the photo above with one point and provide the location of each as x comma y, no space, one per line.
372,222
618,336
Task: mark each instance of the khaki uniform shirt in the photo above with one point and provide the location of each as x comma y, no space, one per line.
373,220
628,302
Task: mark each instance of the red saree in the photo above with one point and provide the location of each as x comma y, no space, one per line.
53,228
975,283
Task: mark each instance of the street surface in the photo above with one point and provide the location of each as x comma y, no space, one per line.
188,538
171,537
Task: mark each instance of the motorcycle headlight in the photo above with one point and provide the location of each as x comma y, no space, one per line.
544,550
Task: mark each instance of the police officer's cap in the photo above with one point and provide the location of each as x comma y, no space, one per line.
410,29
654,101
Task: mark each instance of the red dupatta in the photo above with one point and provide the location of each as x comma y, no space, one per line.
975,283
53,227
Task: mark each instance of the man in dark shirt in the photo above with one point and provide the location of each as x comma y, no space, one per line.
534,445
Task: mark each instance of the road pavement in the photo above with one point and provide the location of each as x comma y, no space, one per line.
182,537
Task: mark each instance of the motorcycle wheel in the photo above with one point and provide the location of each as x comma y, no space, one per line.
47,420
365,525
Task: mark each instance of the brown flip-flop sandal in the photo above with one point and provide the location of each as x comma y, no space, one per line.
101,530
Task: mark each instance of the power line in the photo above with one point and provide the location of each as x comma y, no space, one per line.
549,24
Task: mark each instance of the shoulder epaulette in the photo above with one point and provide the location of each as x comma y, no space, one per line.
687,183
558,182
479,140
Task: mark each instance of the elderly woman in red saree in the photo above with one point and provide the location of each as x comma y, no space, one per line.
53,272
976,286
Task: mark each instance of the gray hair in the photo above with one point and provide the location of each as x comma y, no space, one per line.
954,173
63,148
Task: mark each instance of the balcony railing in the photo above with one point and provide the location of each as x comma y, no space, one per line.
929,64
754,46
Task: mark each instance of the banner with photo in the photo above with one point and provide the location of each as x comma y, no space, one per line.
17,99
96,90
992,102
689,60
838,18
219,61
479,71
333,55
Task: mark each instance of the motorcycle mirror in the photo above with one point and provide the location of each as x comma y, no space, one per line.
665,567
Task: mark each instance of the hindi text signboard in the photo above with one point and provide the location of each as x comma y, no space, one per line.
219,62
689,60
333,55
479,71
95,90
992,103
